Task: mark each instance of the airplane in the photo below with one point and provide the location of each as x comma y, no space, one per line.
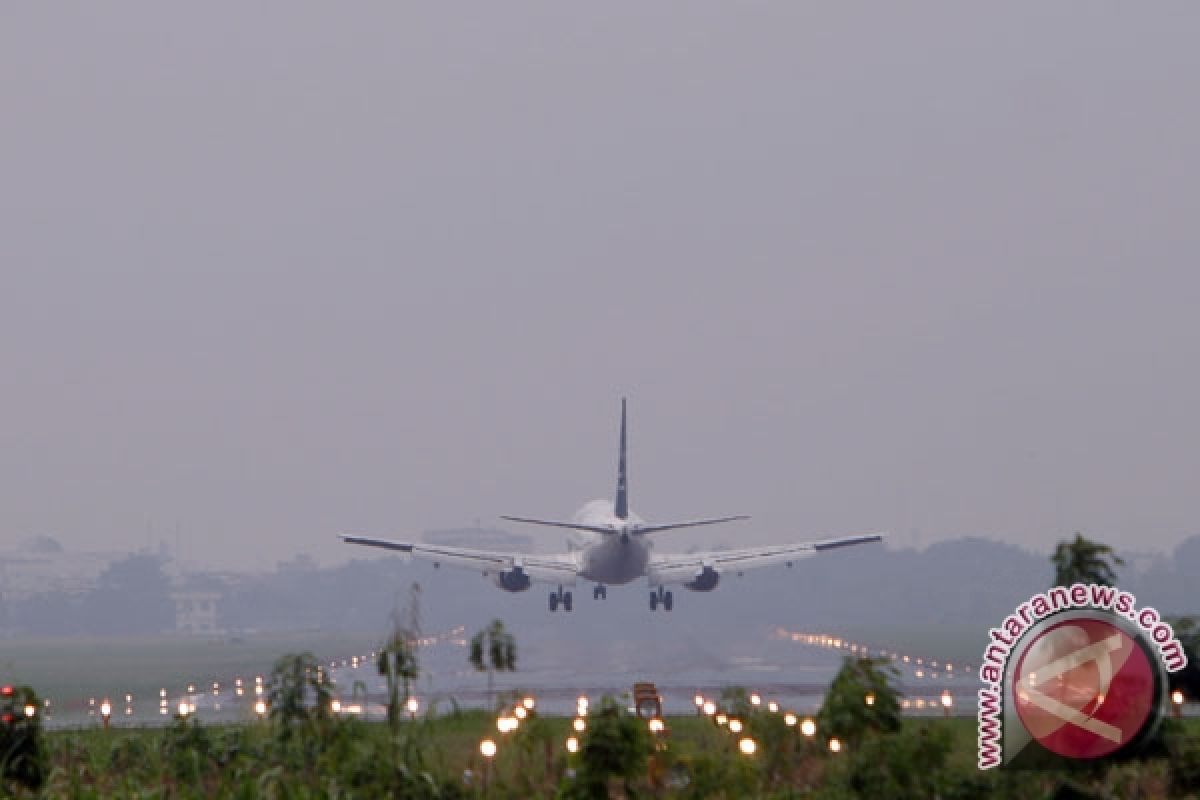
610,545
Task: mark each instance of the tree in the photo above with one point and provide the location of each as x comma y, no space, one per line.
294,678
1081,560
495,650
615,745
860,700
22,754
397,662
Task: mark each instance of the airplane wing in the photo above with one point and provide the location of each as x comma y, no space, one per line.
559,568
682,568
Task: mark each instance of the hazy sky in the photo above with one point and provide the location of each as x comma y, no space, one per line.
276,270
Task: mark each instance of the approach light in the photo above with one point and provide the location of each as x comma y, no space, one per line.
808,727
572,744
735,726
529,703
747,746
835,745
656,725
870,698
579,725
789,719
487,748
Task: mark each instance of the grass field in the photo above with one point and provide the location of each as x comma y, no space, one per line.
68,670
360,759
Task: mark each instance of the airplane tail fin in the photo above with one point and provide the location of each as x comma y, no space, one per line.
621,504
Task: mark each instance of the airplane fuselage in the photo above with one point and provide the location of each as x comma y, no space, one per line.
615,560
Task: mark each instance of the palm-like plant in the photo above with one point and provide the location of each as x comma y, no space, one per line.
495,650
1081,560
397,661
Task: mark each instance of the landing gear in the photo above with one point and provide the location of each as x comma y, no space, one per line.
600,592
560,597
661,597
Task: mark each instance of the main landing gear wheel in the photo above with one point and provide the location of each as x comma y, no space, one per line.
560,597
661,597
600,593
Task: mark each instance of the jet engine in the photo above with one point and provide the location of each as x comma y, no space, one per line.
705,581
512,580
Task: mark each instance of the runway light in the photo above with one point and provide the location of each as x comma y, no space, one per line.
520,712
529,703
808,727
870,698
699,700
1177,702
487,748
30,710
755,700
260,708
835,745
336,706
412,705
947,699
789,719
710,708
184,708
735,726
572,744
579,725
656,725
722,719
773,707
747,746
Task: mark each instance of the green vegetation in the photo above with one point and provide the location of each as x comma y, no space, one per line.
495,650
353,759
1081,560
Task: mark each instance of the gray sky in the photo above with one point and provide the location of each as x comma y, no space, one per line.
276,270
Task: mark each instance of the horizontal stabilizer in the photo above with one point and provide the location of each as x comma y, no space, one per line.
569,525
693,524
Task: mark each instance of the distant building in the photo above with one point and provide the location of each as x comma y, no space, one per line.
196,598
39,565
481,539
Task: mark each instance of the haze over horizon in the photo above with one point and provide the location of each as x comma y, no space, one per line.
278,271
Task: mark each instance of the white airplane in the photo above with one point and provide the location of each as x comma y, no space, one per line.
610,545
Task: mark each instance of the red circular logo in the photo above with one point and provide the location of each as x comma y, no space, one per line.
1084,688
